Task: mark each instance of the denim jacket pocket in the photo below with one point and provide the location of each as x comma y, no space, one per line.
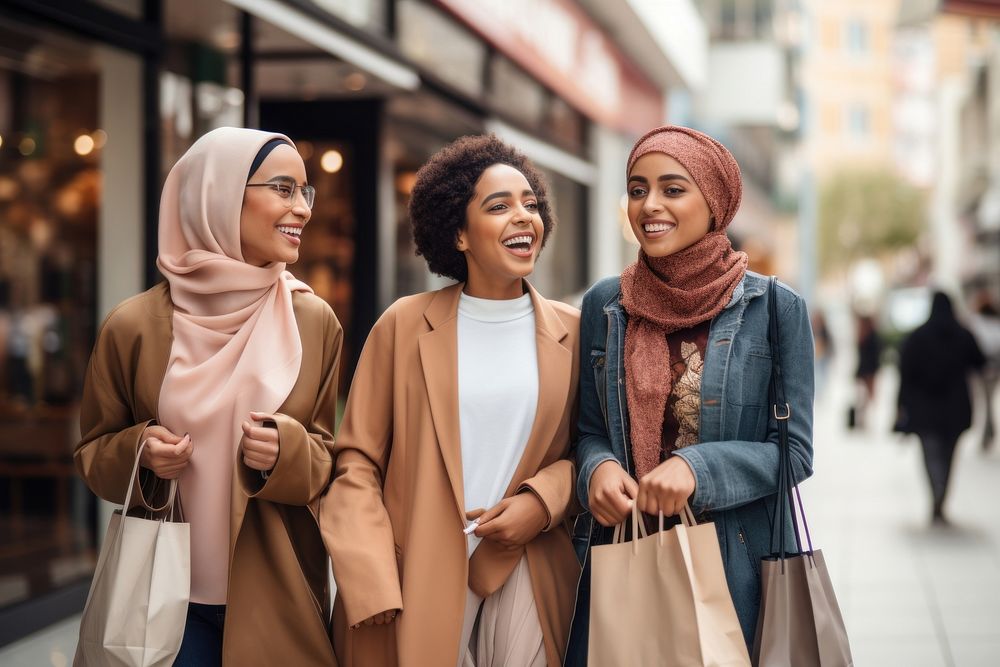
756,374
597,362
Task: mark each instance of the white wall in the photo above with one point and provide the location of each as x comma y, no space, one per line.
747,84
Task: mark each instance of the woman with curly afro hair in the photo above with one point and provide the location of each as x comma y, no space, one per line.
447,517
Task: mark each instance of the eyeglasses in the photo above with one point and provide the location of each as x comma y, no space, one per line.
285,188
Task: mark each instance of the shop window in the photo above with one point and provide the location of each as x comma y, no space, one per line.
368,15
564,126
441,46
68,213
514,93
326,258
561,269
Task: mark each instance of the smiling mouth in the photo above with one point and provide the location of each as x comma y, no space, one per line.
292,233
654,227
520,245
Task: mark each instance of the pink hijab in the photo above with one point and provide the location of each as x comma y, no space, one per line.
236,345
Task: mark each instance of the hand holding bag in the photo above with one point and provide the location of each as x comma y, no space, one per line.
138,600
799,623
663,599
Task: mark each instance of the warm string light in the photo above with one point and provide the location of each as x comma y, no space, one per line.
331,162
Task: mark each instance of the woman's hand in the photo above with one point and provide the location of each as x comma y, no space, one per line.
612,491
259,443
165,453
514,521
382,618
667,487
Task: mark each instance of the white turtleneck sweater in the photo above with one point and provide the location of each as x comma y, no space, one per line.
497,394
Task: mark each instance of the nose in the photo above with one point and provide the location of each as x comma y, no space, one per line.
651,204
299,208
523,216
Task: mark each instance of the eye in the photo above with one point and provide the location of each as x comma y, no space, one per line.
498,207
637,192
283,189
531,205
673,190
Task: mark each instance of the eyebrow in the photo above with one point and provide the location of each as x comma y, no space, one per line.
665,177
283,177
505,194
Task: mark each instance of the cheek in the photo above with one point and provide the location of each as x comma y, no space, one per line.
632,210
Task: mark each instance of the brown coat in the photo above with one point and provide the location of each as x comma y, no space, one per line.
277,605
399,544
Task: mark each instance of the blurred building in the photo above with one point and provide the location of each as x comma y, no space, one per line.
848,75
948,133
752,104
99,98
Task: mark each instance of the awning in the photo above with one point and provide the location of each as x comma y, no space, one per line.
324,37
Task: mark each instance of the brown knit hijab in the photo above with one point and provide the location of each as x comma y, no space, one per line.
666,294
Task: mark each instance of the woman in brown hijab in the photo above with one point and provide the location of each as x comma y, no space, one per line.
674,398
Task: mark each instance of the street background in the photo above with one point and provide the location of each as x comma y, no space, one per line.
868,134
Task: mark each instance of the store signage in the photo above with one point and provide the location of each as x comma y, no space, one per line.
561,46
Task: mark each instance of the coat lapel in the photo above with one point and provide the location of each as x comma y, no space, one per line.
439,360
555,366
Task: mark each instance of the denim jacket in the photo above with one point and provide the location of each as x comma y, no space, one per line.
735,461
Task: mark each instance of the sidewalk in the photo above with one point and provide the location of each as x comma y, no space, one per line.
912,596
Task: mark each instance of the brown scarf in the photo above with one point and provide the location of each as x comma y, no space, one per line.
666,294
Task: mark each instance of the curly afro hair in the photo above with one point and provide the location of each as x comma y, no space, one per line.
445,186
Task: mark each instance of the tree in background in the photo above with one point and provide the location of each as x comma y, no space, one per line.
865,213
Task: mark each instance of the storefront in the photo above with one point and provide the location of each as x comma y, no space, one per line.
97,101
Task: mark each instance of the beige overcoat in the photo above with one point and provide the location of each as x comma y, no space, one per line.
278,587
393,517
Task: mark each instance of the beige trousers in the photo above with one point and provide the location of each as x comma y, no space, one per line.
503,629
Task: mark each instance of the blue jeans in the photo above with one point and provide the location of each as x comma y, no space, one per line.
202,643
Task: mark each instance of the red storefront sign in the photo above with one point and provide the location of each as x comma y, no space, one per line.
561,46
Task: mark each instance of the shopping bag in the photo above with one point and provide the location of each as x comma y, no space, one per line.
663,600
138,600
799,623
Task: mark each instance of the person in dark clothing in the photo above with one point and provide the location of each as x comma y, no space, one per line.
869,359
934,401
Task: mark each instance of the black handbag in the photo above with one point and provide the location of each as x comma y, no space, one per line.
799,622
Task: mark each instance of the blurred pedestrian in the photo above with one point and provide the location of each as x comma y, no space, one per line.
934,401
869,349
985,326
823,343
446,520
227,374
674,406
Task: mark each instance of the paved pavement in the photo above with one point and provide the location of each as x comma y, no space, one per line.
912,595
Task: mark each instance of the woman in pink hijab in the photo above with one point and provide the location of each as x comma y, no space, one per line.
227,373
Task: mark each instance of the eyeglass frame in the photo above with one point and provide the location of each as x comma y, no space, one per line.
287,181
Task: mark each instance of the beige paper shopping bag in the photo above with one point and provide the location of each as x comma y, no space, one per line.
800,621
137,605
663,600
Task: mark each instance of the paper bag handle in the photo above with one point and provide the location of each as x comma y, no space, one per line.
171,494
639,526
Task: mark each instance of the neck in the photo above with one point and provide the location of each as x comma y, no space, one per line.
499,289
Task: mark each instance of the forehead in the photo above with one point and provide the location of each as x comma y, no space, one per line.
499,177
658,164
282,161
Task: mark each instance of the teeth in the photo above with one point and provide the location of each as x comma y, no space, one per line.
657,227
518,239
293,231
